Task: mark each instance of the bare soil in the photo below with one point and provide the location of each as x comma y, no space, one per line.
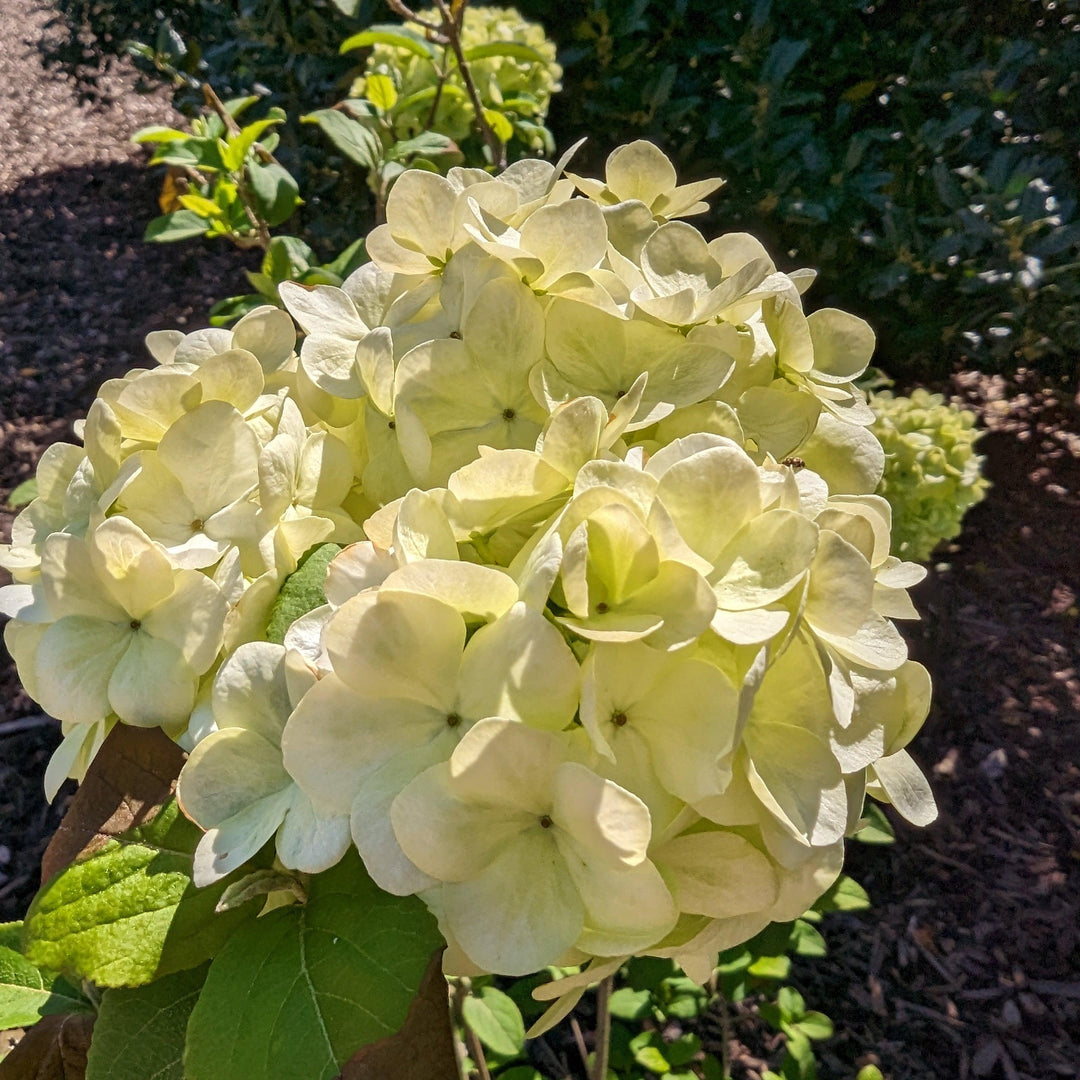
969,963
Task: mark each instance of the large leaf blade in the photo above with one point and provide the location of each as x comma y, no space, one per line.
299,991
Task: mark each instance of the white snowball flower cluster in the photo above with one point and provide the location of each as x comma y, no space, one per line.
611,667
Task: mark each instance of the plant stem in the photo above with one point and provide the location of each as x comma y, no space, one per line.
452,29
449,33
603,1029
462,990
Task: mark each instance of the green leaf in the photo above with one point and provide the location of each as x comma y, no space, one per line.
227,311
27,994
140,1031
199,204
874,826
353,257
770,967
815,1025
629,1004
26,492
354,140
398,36
791,1003
844,895
428,143
521,1072
683,1050
381,92
258,884
514,49
275,191
496,1021
652,1059
11,935
504,130
807,940
158,133
129,912
286,256
179,225
297,992
302,591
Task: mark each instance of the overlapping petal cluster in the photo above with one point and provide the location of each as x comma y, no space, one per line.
932,474
521,79
611,667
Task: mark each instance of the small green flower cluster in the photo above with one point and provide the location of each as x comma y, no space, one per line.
932,474
511,60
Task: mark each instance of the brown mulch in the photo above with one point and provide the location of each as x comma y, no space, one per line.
969,963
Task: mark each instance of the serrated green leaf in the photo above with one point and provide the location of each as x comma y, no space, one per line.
297,992
140,1031
27,994
354,140
130,913
844,895
302,591
381,92
397,36
11,935
25,493
179,225
275,192
514,49
496,1021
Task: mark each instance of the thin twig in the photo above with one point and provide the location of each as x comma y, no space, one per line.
452,30
215,103
462,990
26,723
603,1029
398,8
579,1038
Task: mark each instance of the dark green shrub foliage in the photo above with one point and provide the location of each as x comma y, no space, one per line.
922,155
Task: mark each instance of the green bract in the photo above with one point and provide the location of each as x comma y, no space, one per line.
932,474
607,664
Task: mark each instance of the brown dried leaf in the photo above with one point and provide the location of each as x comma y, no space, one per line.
132,776
54,1048
424,1047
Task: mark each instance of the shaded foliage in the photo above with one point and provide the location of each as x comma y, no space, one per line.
920,155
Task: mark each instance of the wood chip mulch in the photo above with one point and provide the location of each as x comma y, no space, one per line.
969,963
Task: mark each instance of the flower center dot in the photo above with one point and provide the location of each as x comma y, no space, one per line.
619,719
601,608
509,414
545,822
197,525
391,425
135,624
620,394
453,719
455,334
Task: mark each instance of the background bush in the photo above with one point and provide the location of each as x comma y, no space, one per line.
922,155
